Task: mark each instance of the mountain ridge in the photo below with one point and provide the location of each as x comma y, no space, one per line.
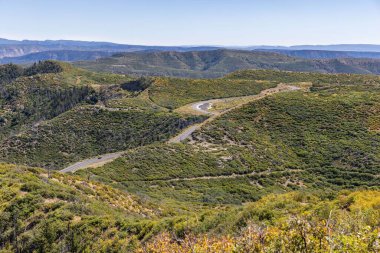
324,54
216,63
15,48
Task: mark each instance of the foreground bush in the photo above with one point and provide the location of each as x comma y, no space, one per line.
292,222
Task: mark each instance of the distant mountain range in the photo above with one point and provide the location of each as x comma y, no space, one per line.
188,61
15,48
324,54
60,55
216,63
340,47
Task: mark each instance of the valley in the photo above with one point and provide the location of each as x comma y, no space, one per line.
95,160
192,126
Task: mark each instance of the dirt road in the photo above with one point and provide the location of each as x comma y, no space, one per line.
92,162
204,107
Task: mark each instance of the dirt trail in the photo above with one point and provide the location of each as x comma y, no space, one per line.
227,176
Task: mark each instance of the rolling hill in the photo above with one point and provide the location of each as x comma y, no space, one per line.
294,171
265,158
216,63
325,138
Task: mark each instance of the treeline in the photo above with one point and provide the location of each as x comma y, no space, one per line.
317,79
10,72
46,102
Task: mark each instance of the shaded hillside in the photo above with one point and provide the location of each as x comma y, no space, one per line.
217,63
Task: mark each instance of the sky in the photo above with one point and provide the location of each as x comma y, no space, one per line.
194,22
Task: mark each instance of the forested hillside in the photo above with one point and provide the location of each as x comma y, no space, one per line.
88,131
217,63
45,90
54,114
296,170
325,138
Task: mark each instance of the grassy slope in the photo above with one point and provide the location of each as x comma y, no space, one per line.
63,212
329,134
173,93
69,213
148,170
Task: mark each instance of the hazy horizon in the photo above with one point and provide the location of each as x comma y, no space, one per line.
190,45
194,22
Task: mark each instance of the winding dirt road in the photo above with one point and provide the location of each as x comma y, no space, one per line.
203,107
92,162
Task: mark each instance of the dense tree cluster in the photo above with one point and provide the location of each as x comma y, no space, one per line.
10,72
137,85
43,67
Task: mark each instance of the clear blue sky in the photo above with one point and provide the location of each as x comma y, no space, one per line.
194,22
